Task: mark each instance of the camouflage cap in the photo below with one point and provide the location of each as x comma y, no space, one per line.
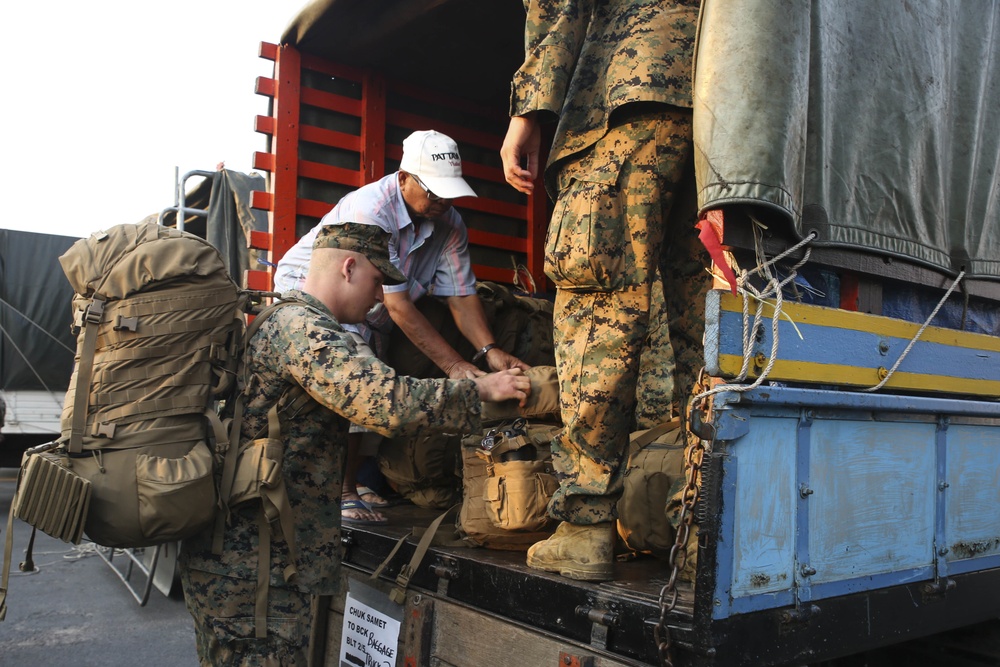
369,240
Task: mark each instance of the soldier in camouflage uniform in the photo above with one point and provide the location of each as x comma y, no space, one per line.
617,74
304,344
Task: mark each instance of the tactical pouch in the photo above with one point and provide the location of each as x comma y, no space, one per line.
507,484
147,494
175,494
517,493
257,468
50,496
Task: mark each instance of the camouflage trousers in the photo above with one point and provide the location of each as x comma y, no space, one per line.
613,235
223,611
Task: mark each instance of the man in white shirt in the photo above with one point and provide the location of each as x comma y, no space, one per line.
429,244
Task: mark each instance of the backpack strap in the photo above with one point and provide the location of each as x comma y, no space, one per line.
275,510
230,432
640,440
8,549
90,321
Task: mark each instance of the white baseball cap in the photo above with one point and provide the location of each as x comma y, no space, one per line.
433,158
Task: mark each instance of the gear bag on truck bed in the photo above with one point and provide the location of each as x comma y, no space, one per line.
507,469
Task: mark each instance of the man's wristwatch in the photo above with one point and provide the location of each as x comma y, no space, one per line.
482,353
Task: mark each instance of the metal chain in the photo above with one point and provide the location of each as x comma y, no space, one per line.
694,456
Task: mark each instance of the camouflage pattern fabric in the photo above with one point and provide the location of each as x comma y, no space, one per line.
586,58
654,393
603,252
617,74
305,345
677,315
226,605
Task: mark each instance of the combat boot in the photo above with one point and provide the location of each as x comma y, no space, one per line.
577,551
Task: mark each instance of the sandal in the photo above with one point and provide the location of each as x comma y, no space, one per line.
358,505
377,502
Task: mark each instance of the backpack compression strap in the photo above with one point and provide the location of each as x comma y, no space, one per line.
81,401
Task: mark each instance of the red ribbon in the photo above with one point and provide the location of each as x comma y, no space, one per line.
710,226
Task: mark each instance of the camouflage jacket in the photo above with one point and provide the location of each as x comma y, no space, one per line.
586,58
305,345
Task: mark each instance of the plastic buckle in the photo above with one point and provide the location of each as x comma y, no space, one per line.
95,311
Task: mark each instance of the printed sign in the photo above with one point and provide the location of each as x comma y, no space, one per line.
370,636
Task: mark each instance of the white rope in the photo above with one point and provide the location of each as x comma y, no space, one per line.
76,552
529,287
773,287
919,333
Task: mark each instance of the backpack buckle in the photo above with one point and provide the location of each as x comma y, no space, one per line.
95,311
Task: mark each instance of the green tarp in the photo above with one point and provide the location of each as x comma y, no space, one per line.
36,345
874,123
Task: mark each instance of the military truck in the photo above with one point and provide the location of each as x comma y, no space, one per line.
848,495
36,346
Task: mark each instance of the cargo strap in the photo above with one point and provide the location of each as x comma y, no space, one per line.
91,320
406,572
640,439
28,564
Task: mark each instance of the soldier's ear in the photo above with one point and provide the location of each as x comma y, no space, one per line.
347,268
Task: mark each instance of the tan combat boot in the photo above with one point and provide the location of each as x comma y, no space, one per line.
583,552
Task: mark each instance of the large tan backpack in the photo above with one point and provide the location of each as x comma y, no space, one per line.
156,312
423,468
158,319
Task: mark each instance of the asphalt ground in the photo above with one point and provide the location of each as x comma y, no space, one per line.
73,611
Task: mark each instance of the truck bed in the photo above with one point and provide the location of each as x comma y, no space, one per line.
616,617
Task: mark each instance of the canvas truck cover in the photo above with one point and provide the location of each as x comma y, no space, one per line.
876,124
36,344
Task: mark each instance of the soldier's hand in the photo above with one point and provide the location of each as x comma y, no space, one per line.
522,143
499,360
504,385
463,370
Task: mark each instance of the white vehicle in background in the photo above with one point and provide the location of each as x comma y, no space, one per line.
31,413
